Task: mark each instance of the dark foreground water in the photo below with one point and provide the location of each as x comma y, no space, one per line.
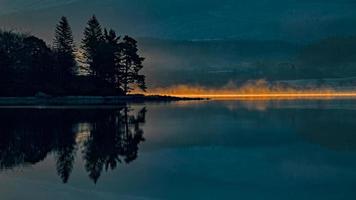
185,150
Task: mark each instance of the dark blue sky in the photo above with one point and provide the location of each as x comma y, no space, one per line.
293,20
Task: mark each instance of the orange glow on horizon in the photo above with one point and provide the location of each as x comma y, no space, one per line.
259,89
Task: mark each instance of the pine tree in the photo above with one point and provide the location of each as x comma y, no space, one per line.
130,65
64,49
93,37
109,50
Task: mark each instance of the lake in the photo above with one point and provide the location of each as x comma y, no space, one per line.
264,149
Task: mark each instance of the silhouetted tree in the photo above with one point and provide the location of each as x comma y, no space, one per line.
130,66
28,66
93,38
64,49
110,50
5,69
37,64
10,44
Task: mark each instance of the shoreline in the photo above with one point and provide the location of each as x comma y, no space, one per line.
88,100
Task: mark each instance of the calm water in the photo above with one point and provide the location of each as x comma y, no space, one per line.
184,150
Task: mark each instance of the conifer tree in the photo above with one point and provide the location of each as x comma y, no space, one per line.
130,66
93,37
110,50
64,50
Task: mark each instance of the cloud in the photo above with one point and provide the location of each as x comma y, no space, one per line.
198,19
13,6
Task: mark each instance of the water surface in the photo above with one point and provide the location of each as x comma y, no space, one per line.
182,150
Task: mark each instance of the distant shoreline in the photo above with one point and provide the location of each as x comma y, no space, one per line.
88,100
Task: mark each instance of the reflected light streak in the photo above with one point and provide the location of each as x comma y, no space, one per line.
300,95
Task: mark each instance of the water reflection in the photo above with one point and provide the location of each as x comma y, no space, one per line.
329,124
108,137
209,149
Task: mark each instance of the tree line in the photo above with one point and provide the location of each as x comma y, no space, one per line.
104,64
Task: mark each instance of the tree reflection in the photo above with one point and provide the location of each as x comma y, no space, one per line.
113,137
27,136
65,149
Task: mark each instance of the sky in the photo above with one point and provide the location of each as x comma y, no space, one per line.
289,20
